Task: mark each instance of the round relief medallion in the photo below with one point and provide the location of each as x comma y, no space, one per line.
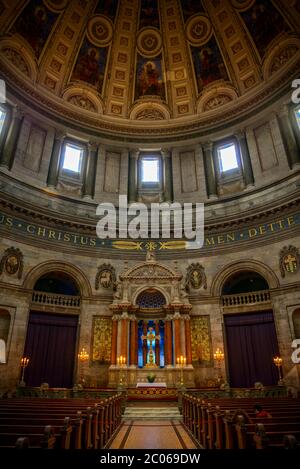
149,42
242,4
198,30
56,5
99,30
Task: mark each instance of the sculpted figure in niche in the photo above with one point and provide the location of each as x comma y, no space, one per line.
118,292
11,265
106,279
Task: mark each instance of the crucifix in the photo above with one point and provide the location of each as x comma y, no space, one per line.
290,263
151,336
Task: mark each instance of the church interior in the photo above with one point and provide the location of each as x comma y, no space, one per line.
150,340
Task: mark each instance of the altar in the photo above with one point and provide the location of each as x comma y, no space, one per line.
151,385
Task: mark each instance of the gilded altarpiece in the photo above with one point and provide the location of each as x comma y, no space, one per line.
201,340
102,332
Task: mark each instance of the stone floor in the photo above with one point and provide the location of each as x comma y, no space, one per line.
152,434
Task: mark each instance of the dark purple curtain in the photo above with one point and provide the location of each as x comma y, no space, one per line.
50,346
251,345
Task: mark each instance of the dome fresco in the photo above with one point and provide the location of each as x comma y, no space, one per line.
110,64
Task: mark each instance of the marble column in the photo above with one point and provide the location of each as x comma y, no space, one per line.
246,160
188,340
133,342
55,159
132,176
113,359
12,137
90,172
292,146
210,176
168,342
167,173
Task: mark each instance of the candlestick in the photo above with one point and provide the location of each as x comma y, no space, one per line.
24,363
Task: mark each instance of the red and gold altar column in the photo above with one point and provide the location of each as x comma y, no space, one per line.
133,341
114,336
188,340
168,342
124,339
177,341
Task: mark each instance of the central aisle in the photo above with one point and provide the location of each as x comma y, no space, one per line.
152,434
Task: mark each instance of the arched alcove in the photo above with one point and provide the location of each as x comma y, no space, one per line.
57,282
244,282
66,268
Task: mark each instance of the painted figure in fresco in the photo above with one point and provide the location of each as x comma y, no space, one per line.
32,28
264,23
87,67
149,14
149,80
209,66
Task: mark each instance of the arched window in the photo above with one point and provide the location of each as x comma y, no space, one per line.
2,351
244,282
4,334
151,299
57,282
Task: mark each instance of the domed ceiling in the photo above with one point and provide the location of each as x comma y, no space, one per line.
149,65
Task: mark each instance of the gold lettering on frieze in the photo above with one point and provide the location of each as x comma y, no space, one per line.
209,241
271,225
83,240
280,223
67,237
262,230
290,221
221,239
252,232
230,237
31,229
51,234
41,231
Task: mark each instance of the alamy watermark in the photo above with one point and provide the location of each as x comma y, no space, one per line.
296,353
296,93
160,220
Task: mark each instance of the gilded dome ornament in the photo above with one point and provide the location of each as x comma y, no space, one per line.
100,31
289,260
12,262
195,277
198,30
56,5
149,42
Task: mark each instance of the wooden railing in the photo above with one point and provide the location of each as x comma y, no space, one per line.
244,299
67,301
